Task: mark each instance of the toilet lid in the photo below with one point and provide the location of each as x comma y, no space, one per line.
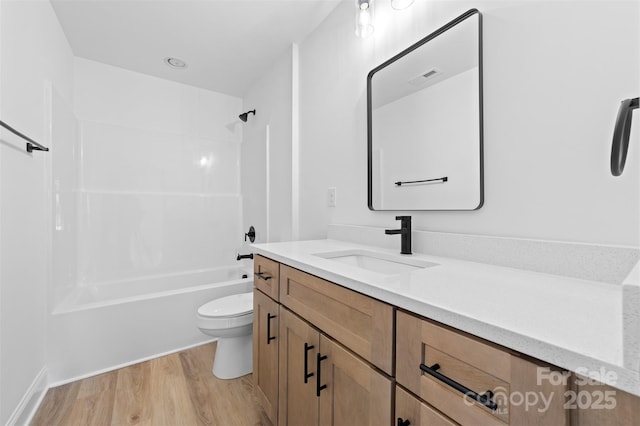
229,306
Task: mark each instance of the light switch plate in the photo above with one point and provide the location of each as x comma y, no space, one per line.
331,197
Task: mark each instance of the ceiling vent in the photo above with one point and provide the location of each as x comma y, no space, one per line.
175,63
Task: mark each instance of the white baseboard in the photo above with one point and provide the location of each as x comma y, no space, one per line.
129,363
31,400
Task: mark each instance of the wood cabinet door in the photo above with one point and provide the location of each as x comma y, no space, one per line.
361,323
265,353
355,393
417,413
299,343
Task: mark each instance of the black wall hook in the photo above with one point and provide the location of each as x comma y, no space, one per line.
621,134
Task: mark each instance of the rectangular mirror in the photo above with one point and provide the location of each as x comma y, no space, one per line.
424,117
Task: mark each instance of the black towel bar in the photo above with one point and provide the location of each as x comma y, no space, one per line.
31,144
442,179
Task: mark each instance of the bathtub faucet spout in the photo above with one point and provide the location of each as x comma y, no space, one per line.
245,256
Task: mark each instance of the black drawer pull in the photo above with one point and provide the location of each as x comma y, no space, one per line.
307,348
402,422
319,359
484,399
269,336
262,276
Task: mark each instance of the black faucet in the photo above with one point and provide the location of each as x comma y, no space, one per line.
245,256
405,233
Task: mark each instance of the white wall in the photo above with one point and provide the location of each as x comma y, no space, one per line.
160,178
554,75
266,153
33,52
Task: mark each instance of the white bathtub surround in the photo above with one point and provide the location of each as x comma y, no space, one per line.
103,327
604,263
572,323
147,212
65,174
159,188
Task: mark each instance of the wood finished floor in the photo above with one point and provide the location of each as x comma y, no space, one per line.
177,389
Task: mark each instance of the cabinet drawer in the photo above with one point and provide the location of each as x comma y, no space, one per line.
475,365
478,367
266,276
410,408
470,363
360,323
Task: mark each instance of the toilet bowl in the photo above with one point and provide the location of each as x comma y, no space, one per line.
230,319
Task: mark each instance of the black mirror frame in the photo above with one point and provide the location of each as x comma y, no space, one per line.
405,52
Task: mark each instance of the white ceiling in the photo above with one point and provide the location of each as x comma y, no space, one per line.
227,44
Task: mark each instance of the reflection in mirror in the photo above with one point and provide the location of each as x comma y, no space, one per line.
425,122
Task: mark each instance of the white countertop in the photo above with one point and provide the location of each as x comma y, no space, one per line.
571,323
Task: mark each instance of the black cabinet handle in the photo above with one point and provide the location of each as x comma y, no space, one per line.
269,336
262,276
307,348
484,399
319,359
402,422
621,133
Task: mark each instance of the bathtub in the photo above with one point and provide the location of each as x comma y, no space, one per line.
99,328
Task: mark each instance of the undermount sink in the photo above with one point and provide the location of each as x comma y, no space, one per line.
382,263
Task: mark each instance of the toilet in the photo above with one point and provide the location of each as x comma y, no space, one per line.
230,319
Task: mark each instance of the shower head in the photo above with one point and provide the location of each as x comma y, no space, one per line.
245,115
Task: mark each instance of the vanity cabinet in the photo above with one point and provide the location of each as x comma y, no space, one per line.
266,317
323,383
472,381
325,354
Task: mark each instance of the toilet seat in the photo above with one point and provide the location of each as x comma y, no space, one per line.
229,306
226,312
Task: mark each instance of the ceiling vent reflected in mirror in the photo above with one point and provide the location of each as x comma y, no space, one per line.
424,77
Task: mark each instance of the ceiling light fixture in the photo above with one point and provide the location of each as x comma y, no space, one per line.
364,18
175,63
401,4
